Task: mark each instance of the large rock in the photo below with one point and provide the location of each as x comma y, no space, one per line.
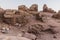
34,7
35,28
23,18
9,16
9,13
22,7
45,8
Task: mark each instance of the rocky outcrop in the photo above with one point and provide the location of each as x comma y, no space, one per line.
34,7
57,16
23,8
29,24
46,9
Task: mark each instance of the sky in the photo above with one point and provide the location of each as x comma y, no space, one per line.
13,4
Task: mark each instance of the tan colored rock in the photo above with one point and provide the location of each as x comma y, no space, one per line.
15,38
22,7
30,36
9,13
23,18
34,7
46,9
9,16
35,28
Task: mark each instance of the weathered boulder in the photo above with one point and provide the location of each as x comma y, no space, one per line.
9,13
9,16
34,7
22,7
23,17
35,28
45,8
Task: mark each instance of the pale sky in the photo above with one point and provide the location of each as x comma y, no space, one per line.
13,4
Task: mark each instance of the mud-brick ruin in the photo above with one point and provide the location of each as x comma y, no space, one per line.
26,22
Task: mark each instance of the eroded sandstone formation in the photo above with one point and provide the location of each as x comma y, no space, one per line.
46,9
31,22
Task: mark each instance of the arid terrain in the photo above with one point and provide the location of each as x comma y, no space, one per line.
29,23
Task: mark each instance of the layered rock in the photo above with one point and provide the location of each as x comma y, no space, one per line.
34,7
9,16
46,9
23,8
1,14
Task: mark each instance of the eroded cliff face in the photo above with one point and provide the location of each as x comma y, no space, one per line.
29,23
